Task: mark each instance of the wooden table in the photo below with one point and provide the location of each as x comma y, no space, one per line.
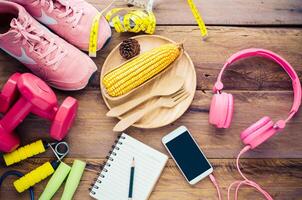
260,88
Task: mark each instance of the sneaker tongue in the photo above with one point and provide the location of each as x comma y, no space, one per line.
60,6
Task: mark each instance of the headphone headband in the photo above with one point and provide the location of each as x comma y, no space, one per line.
276,58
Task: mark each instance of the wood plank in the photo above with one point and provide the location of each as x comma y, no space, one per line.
209,56
235,12
171,185
277,161
93,130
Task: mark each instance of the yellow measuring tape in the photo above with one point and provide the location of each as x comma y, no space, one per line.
94,32
198,18
135,20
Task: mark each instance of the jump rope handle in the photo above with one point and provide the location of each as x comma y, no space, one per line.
74,174
34,177
55,181
24,152
73,179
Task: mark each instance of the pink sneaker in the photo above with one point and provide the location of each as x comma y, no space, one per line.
70,19
54,60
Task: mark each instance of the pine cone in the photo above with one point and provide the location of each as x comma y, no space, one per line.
129,48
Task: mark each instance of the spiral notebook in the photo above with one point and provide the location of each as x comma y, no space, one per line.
113,181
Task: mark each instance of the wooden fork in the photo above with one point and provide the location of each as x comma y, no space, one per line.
165,101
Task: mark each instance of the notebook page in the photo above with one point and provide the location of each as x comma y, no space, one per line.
149,164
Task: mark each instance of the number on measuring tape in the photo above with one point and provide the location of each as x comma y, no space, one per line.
133,20
93,39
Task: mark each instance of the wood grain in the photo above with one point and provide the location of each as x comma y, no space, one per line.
225,12
209,56
282,178
253,74
260,88
93,129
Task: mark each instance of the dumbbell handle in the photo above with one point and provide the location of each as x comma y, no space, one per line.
16,115
34,177
49,114
24,152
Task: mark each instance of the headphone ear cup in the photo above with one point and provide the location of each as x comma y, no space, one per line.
226,111
221,110
254,127
258,132
230,111
214,109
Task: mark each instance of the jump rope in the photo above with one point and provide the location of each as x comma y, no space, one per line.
57,168
26,181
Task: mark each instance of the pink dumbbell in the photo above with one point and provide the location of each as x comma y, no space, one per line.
36,97
9,93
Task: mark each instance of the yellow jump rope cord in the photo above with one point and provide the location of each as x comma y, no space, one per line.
24,152
198,18
34,177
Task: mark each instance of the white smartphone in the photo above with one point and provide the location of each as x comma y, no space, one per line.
188,156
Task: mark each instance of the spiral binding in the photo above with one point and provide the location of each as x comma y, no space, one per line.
104,167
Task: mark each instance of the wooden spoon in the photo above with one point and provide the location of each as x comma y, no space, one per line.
171,85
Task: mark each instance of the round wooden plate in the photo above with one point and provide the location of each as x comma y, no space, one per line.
161,116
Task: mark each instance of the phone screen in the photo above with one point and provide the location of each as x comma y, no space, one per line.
188,156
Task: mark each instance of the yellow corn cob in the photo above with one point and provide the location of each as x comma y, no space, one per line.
142,68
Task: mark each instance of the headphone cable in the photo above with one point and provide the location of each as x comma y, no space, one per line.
17,174
238,184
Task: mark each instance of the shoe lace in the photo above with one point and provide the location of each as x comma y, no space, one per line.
72,14
46,48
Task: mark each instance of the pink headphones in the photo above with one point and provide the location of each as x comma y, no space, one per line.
222,105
